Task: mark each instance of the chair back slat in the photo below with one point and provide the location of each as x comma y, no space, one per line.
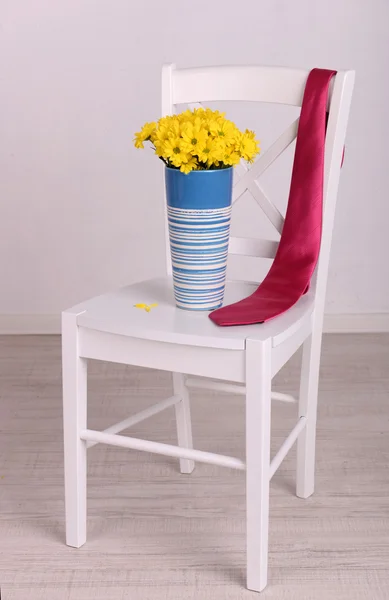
252,247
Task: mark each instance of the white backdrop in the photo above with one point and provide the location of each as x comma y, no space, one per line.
81,208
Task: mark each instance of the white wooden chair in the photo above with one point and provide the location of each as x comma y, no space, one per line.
190,345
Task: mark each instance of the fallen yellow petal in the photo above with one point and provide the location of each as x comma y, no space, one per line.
146,307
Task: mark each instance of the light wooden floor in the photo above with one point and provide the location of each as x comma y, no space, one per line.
154,534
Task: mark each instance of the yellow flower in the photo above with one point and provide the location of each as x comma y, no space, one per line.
212,115
224,129
160,136
194,135
211,152
175,126
144,134
173,151
231,157
188,116
247,145
189,166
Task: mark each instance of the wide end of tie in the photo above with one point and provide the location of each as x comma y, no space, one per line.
233,315
217,317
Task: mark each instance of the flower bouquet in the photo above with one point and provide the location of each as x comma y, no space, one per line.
199,148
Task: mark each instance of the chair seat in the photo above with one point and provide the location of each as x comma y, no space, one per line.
115,313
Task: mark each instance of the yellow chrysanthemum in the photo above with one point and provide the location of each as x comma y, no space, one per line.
212,115
144,134
224,129
194,135
247,146
211,153
159,138
173,151
174,126
186,116
189,166
231,157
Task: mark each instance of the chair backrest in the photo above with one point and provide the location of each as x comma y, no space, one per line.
271,85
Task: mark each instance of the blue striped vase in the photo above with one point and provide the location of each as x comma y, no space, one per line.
199,214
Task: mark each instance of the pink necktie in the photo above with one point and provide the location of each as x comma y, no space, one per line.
298,250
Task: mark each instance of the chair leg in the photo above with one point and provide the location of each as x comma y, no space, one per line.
305,480
183,420
74,374
258,414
